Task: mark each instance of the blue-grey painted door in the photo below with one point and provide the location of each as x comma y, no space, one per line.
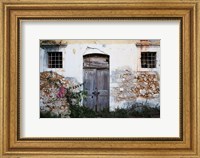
96,83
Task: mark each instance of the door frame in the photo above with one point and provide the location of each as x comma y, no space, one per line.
98,68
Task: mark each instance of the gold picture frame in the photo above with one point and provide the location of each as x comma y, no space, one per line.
12,12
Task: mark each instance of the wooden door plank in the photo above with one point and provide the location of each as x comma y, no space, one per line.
89,86
103,88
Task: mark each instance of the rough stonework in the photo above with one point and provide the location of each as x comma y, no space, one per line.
52,91
135,86
53,42
148,43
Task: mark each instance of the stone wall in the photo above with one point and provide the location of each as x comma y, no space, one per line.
52,93
135,87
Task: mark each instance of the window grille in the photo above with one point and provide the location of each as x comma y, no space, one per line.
55,60
148,59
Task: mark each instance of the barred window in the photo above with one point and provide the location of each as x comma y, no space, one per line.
148,59
55,60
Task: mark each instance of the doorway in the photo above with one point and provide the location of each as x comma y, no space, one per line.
96,81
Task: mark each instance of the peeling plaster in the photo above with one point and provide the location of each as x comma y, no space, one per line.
49,101
53,42
90,50
135,86
74,51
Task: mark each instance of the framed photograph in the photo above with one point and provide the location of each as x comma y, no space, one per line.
99,79
100,84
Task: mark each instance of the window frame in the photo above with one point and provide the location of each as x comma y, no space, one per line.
56,65
154,61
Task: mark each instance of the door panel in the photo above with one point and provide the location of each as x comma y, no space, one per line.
96,61
103,88
89,86
103,102
96,81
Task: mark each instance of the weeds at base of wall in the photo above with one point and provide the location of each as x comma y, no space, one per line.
134,111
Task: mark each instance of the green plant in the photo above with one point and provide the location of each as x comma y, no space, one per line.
74,98
134,111
48,114
81,112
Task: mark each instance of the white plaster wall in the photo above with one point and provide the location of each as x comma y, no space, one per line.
121,55
42,60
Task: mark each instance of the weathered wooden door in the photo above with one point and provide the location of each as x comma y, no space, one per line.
96,81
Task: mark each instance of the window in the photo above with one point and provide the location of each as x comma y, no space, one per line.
55,60
148,59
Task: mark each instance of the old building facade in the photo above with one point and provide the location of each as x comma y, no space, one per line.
115,73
